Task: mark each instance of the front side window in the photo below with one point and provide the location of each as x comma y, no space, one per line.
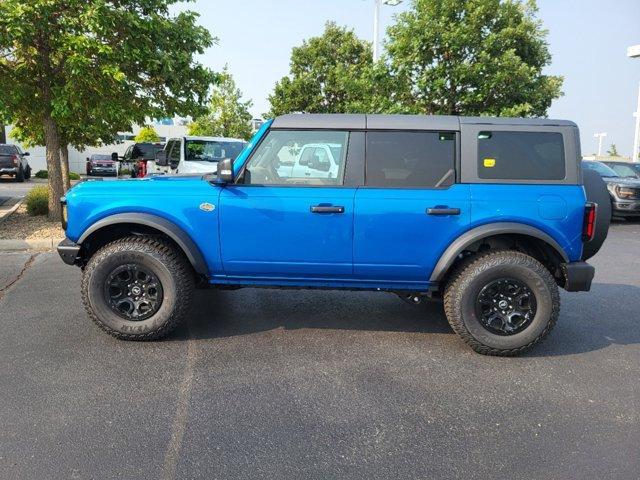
298,157
521,155
410,159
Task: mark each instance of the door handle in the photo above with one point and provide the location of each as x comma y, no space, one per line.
326,209
443,211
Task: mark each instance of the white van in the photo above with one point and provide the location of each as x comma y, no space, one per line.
195,154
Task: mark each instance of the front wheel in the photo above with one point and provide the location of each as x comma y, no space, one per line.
502,303
138,288
20,175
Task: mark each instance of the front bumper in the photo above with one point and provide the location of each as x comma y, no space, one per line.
68,251
577,276
628,207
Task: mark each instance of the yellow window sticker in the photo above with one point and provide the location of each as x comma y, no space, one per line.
489,162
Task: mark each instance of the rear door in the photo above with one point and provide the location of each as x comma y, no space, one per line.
411,207
276,224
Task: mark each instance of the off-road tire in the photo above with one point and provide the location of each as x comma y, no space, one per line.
477,271
20,175
165,261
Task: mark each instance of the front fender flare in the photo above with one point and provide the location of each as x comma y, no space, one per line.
485,231
170,229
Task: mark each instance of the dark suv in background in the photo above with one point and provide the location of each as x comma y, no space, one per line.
625,169
13,161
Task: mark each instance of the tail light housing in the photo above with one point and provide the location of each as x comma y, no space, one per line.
589,225
16,160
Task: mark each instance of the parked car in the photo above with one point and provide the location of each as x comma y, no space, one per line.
14,162
101,164
624,169
492,215
138,155
624,191
195,154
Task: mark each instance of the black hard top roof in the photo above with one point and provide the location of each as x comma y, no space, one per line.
401,122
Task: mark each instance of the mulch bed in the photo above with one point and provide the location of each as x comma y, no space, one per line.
22,226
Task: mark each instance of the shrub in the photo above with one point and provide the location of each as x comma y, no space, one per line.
125,172
44,174
37,200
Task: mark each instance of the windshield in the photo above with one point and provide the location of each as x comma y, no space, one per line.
600,168
7,150
212,151
100,157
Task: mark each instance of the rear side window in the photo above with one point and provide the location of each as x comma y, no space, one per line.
410,159
521,155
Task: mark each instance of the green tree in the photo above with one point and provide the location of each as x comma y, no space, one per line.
613,151
228,115
333,73
75,72
471,57
147,134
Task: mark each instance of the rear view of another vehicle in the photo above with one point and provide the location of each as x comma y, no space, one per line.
13,162
624,191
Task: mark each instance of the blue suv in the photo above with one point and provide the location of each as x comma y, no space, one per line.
490,215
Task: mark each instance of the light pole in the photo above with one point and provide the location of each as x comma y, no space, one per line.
634,52
376,24
600,136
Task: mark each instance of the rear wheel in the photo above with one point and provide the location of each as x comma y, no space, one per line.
502,303
20,175
137,288
27,172
596,192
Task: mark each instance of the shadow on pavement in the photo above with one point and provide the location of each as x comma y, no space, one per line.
587,320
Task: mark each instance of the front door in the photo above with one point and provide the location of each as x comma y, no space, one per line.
277,225
410,208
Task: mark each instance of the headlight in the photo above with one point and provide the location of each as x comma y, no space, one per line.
65,218
627,192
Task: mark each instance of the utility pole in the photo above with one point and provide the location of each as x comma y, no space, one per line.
600,137
376,24
634,52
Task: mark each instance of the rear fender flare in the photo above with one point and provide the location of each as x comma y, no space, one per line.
485,231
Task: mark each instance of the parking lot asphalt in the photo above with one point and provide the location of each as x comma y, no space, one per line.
315,385
9,188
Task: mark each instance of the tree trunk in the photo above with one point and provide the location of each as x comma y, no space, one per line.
3,135
64,166
56,186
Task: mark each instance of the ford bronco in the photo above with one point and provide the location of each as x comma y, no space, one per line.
489,215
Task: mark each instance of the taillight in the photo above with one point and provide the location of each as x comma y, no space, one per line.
16,160
589,226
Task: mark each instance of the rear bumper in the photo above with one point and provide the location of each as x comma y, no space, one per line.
578,276
8,170
68,251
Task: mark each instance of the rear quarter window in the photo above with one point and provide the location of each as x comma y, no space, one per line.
521,155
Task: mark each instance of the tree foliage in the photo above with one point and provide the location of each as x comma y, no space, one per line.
472,57
78,71
613,151
332,73
228,115
147,134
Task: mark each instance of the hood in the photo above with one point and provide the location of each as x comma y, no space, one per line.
198,167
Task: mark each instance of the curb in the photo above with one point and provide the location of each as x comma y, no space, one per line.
41,244
4,214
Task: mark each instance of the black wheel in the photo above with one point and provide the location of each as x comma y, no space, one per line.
138,288
27,173
502,302
20,175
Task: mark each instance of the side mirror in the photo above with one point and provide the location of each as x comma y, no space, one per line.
161,158
225,171
26,154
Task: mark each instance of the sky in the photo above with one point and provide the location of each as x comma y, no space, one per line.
588,40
